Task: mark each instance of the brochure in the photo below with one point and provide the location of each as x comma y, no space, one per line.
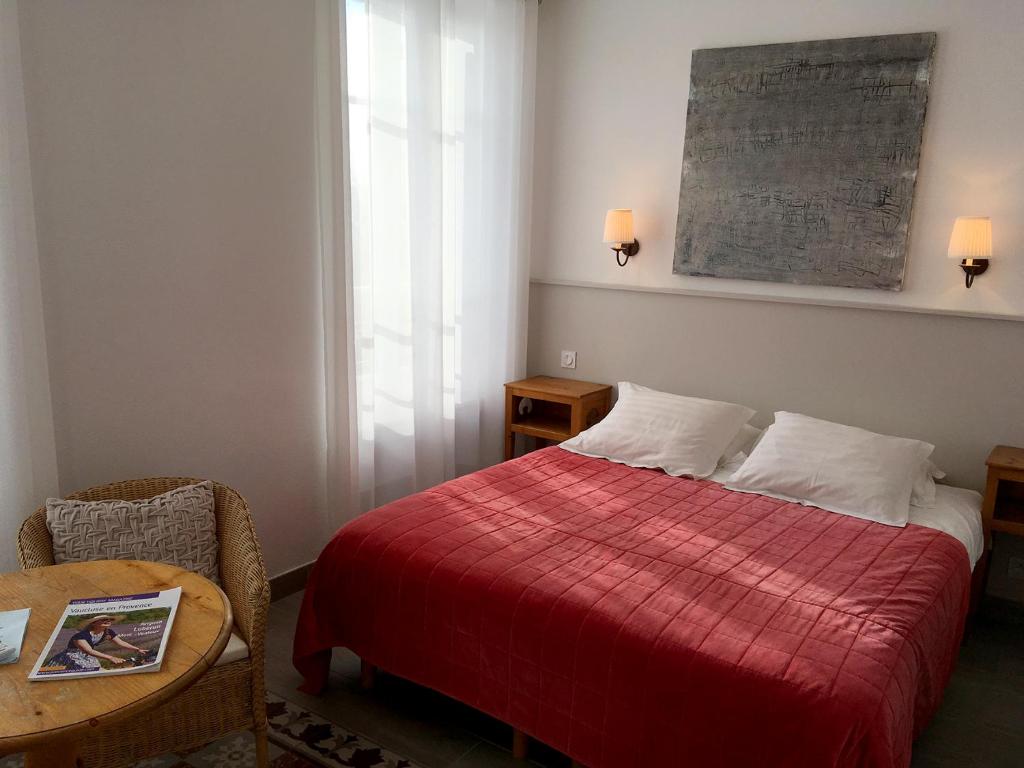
109,636
12,632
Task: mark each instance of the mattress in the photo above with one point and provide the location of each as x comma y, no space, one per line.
629,618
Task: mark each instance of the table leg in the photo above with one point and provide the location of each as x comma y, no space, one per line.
55,754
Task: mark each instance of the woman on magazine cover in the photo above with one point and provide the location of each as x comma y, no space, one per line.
81,654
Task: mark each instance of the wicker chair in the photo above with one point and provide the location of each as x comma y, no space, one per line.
229,697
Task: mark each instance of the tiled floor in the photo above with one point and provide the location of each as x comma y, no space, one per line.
981,720
980,724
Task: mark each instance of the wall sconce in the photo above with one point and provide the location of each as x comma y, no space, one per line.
618,233
971,242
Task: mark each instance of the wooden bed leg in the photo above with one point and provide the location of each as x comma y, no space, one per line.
520,743
367,675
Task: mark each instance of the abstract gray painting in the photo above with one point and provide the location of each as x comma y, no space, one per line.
800,160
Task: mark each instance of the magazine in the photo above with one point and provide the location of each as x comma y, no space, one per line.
12,632
109,636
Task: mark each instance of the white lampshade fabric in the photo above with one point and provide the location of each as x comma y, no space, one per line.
971,238
618,226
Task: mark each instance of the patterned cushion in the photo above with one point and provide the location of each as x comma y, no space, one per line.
177,527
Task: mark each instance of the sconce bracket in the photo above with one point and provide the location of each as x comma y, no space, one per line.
627,250
972,270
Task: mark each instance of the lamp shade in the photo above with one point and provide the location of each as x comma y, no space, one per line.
971,238
618,226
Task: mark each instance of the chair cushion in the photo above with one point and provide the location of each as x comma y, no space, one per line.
178,527
235,650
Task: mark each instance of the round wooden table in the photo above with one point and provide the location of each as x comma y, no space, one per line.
45,719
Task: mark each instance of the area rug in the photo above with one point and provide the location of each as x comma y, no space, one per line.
298,739
325,743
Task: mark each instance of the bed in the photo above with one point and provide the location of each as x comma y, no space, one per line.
629,618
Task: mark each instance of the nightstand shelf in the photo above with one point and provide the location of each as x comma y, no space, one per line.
544,427
1008,511
559,408
1015,527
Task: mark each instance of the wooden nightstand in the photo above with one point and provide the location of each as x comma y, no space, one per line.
562,408
1003,509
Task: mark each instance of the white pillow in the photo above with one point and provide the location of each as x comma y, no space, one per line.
923,494
647,428
842,469
744,443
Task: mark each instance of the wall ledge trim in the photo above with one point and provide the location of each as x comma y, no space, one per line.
820,302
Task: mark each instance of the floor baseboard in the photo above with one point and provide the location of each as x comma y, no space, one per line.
289,582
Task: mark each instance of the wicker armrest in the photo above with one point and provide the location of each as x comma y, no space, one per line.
35,547
243,575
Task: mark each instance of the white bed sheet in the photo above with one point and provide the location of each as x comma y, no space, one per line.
957,511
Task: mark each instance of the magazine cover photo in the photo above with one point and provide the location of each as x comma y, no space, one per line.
12,630
105,641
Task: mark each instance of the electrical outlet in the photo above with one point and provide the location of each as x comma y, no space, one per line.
1015,568
568,358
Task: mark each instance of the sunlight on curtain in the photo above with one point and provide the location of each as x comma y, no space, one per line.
440,125
28,471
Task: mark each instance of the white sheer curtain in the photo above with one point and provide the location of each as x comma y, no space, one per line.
28,468
439,117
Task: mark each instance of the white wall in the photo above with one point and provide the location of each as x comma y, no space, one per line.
613,82
173,160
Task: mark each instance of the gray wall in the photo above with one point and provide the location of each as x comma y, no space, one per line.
955,382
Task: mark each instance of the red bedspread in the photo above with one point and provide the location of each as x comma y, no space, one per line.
628,618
